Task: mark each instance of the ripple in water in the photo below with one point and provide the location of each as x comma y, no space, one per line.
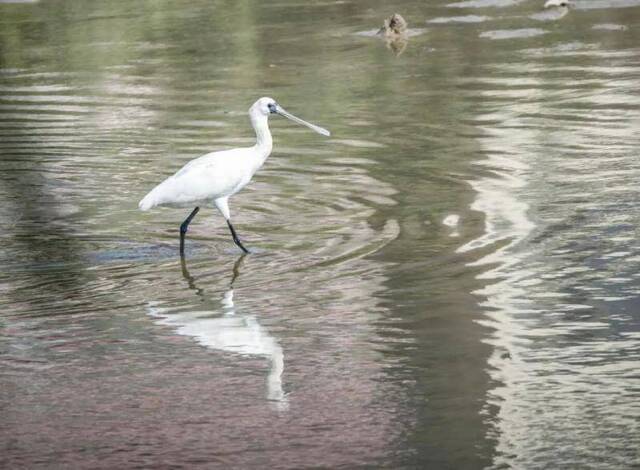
562,284
513,33
460,19
485,3
609,27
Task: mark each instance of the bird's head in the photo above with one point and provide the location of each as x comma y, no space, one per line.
266,106
557,3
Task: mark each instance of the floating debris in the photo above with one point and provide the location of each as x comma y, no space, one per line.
394,26
395,32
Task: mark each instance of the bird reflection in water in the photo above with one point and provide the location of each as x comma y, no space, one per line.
230,331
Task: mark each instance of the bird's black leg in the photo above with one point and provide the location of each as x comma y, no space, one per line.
236,240
184,227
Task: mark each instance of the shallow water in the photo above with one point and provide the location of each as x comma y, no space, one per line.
450,281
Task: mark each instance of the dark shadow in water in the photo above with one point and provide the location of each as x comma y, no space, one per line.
133,253
42,249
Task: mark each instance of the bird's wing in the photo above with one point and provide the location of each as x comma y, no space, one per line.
210,176
205,160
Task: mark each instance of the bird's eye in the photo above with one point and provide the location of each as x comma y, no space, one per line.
272,107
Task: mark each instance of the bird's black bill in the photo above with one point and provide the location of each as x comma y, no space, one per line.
184,227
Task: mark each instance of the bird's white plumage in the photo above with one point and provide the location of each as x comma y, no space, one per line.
212,176
218,175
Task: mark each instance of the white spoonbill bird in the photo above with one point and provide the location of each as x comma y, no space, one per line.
217,176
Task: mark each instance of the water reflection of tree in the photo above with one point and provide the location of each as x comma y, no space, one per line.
40,242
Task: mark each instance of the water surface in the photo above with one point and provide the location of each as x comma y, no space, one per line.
450,281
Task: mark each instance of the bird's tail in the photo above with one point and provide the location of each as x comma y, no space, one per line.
147,202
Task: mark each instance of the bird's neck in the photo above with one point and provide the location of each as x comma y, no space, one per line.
264,143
